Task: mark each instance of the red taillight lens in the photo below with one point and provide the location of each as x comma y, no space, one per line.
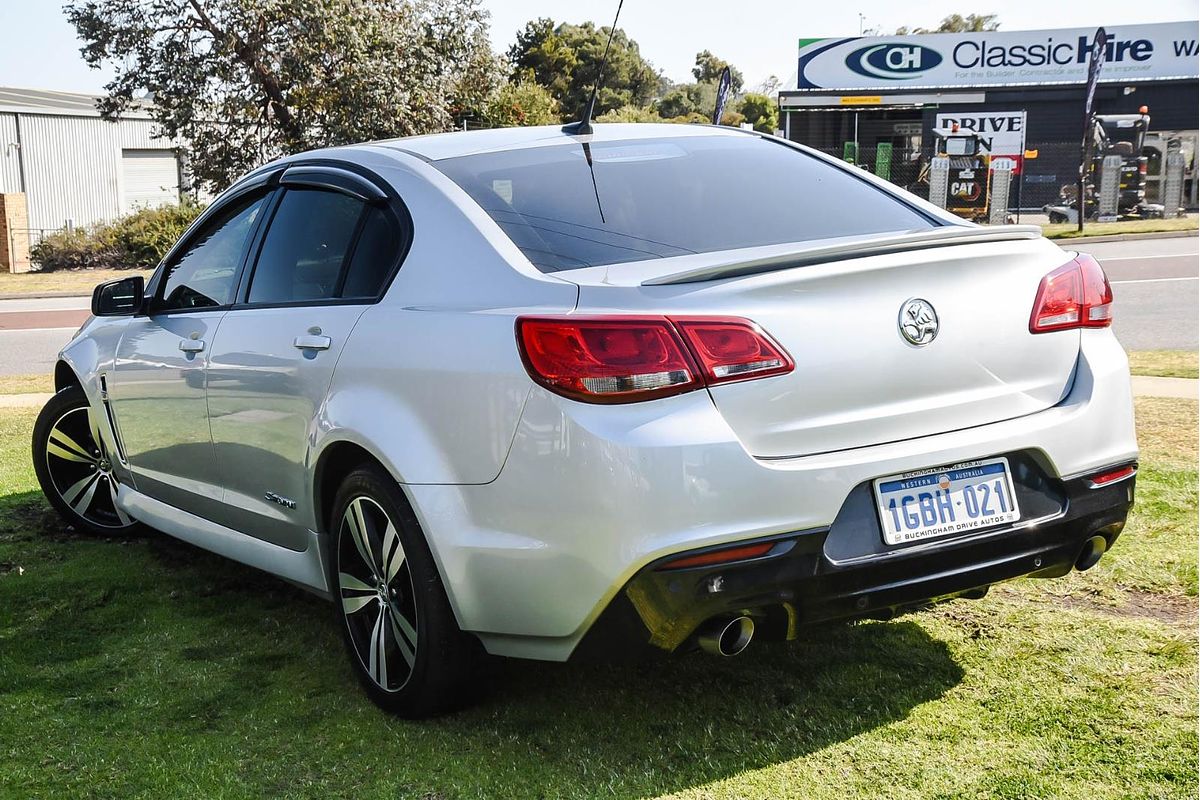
732,349
619,359
1142,168
606,359
1076,295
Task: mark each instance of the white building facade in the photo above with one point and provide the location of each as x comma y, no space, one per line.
77,169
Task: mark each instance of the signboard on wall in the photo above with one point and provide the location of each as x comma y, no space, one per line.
1002,131
999,58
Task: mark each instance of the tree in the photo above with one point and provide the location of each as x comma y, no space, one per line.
760,111
565,59
244,82
709,68
957,23
689,98
521,102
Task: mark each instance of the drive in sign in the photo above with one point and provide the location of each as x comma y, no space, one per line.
1002,131
937,60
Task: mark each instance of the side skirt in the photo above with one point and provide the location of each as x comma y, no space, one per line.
305,568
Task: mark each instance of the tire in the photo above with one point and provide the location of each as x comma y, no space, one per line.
74,467
391,608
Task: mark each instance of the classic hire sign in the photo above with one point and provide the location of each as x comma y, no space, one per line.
937,60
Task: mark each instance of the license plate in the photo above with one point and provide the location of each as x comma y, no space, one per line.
936,502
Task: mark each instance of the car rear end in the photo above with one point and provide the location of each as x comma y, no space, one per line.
762,432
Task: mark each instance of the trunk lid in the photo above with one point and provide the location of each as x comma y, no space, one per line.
857,380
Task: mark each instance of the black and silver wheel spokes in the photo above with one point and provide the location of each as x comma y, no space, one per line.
81,470
376,593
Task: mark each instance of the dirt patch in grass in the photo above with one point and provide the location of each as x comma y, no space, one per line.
1169,609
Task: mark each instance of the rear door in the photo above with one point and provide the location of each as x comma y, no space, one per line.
157,391
331,244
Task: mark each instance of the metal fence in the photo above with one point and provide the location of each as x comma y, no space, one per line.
1043,172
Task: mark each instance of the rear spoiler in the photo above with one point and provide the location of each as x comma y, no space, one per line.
801,255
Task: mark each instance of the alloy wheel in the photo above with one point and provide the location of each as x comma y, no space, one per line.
81,470
376,594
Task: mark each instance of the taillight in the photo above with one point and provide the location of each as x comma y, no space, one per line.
1076,295
730,349
625,359
1142,168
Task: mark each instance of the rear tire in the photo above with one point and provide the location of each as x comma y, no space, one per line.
74,467
391,608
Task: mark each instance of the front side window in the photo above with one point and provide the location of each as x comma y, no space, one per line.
570,206
305,247
204,274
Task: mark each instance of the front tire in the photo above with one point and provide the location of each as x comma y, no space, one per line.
74,466
404,643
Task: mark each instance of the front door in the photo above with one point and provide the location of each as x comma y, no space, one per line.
323,259
157,390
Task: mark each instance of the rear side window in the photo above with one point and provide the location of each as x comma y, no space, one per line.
305,247
578,205
374,254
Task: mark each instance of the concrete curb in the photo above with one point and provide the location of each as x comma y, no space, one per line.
1125,237
1154,386
42,295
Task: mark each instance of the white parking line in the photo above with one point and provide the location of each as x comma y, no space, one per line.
1156,280
1147,258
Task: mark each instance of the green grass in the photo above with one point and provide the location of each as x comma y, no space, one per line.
1164,363
1071,230
147,668
26,384
67,281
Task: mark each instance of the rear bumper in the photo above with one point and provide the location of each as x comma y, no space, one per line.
799,583
589,496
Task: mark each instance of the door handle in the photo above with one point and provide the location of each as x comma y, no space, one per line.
311,342
191,345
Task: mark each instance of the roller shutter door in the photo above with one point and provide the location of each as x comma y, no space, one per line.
149,178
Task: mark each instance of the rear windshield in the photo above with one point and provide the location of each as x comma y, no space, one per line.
577,205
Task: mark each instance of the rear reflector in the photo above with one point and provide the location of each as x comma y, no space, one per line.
1076,295
1111,476
625,359
720,556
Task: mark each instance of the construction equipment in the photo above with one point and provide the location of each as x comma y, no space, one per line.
1123,136
969,186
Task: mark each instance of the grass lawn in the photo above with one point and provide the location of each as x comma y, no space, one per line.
1166,363
26,384
67,281
1071,230
147,668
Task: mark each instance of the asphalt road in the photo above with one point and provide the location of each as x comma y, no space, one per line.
1155,285
1155,291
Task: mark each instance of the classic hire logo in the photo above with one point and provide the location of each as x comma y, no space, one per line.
895,62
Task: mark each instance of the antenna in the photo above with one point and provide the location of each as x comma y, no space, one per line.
584,126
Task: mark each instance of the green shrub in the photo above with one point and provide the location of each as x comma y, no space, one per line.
135,241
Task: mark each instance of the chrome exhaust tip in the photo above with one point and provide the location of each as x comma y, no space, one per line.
726,637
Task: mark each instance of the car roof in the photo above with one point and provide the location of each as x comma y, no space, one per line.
435,147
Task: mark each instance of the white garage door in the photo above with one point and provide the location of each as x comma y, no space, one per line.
149,178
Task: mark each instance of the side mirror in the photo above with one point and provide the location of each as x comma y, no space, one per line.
119,298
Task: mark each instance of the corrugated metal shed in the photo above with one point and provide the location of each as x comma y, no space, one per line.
55,147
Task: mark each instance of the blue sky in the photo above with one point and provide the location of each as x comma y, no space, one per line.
38,49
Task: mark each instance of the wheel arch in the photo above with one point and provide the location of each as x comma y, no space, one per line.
64,376
336,460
